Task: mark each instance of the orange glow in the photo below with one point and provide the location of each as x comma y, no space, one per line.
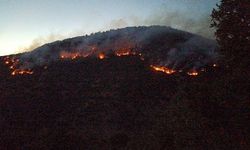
75,55
163,69
68,55
124,52
13,63
193,73
101,56
21,72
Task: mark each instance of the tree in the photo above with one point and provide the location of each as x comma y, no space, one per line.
232,22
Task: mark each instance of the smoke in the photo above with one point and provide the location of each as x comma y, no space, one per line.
183,20
119,23
39,41
186,21
159,44
199,25
52,37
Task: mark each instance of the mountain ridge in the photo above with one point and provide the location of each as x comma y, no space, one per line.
162,45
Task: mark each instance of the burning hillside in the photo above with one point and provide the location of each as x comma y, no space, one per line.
83,102
167,50
13,64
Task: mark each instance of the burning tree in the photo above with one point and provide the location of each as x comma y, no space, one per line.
232,21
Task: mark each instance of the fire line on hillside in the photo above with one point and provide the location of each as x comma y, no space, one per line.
166,50
13,63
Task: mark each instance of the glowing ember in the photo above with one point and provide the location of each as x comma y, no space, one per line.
101,56
163,69
67,55
124,52
193,73
21,72
75,55
13,65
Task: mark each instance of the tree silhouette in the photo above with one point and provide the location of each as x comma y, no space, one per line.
232,21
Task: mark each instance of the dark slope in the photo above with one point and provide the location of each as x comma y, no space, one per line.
120,103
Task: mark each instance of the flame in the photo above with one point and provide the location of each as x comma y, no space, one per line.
193,73
83,54
124,52
74,55
67,55
21,72
101,56
163,69
13,63
7,62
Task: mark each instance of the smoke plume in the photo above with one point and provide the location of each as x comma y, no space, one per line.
199,25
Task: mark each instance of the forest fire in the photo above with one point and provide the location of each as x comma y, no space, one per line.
101,55
13,65
171,71
150,44
163,69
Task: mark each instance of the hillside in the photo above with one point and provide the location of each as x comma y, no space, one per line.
161,45
121,103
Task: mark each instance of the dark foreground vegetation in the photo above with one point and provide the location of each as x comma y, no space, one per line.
120,103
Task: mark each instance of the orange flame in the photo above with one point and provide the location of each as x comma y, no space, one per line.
21,72
101,56
124,52
163,69
193,73
75,55
7,62
13,63
66,55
